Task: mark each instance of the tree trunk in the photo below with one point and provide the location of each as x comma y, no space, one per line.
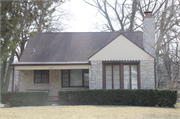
3,71
8,74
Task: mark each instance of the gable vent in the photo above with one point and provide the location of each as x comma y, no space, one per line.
33,50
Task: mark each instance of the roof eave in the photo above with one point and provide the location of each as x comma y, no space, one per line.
49,63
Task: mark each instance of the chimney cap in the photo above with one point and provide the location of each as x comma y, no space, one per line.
148,13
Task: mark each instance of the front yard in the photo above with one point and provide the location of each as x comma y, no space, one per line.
89,112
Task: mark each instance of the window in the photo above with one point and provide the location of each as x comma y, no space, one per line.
75,78
112,77
41,76
130,77
86,77
124,75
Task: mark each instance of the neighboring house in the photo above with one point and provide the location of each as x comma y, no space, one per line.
89,60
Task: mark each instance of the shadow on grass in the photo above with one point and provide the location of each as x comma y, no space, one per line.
177,105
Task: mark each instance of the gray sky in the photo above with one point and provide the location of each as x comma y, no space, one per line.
83,16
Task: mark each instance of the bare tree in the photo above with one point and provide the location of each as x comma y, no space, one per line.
128,15
119,15
167,34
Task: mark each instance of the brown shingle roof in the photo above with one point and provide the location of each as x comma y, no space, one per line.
71,47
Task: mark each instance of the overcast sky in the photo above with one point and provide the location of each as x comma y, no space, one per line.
83,16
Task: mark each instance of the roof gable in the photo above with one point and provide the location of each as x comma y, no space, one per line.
71,47
121,48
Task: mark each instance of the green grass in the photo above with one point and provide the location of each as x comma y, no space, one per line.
89,112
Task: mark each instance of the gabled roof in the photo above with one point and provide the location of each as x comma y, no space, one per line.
122,49
71,46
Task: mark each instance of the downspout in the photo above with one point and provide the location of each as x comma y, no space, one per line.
13,80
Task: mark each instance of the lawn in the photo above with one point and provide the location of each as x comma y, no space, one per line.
90,112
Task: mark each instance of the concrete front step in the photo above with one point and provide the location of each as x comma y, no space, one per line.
53,98
52,102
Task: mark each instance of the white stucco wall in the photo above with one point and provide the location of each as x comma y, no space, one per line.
121,49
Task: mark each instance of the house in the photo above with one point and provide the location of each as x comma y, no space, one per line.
89,60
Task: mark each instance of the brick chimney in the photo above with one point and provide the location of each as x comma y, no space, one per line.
149,33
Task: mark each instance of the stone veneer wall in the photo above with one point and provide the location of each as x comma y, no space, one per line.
26,82
149,35
147,74
95,75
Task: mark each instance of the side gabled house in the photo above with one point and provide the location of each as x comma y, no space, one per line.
89,60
